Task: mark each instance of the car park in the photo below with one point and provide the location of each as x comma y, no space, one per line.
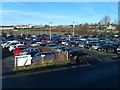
61,43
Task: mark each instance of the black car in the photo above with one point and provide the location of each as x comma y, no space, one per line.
42,44
67,49
73,44
73,53
32,53
78,56
107,48
88,45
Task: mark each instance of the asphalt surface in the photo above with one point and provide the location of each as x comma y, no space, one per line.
103,75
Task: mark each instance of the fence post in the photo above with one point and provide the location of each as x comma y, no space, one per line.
15,62
67,55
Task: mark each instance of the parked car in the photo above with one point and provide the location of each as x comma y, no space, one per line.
3,44
46,40
2,40
56,41
73,44
28,50
82,44
42,44
118,50
107,48
12,43
12,47
8,43
73,53
88,45
67,49
77,53
59,48
33,53
96,46
51,46
64,42
17,51
45,55
35,43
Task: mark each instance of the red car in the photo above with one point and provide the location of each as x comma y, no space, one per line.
46,40
17,51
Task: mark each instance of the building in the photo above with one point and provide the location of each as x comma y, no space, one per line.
28,26
110,27
7,27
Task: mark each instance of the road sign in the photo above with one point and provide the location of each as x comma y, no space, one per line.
23,60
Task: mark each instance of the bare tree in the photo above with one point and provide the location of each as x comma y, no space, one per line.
115,22
105,20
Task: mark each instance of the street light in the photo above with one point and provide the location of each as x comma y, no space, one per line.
22,31
73,29
50,29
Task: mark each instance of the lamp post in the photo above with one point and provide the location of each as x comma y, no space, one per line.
50,29
21,32
73,29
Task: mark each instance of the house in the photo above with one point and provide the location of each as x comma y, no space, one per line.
6,27
110,27
28,26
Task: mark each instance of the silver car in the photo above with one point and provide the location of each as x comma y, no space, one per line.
44,55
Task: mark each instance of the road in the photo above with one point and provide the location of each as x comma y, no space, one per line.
103,75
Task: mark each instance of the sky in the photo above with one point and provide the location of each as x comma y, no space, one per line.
59,13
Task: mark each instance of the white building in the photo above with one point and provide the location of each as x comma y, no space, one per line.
110,27
28,26
6,27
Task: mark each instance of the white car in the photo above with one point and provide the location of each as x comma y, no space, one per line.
12,47
118,50
8,42
11,43
64,42
36,44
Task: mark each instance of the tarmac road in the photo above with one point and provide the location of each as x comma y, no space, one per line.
103,75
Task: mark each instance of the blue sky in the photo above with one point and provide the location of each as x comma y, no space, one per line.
41,13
